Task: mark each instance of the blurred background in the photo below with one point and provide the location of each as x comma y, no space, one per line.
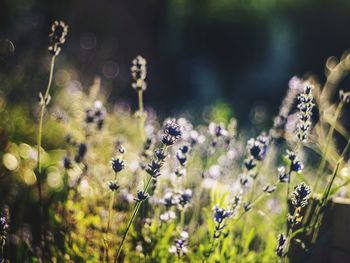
199,52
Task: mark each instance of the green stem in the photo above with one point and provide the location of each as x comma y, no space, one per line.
39,140
328,139
136,209
345,150
323,203
141,117
288,188
289,233
254,201
110,208
240,240
211,250
182,218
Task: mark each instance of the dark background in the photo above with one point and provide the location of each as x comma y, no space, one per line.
198,51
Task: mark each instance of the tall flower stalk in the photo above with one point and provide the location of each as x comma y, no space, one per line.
300,198
139,73
118,164
57,36
172,132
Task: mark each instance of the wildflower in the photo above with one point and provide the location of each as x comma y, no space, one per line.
184,149
185,198
269,189
282,175
247,206
81,152
217,129
182,154
258,147
117,164
169,199
301,195
294,219
153,168
148,143
4,227
180,172
44,100
344,96
141,196
113,185
167,216
236,201
296,165
281,244
67,163
96,114
181,158
139,73
220,214
121,149
59,31
172,132
249,163
243,179
305,107
160,154
180,247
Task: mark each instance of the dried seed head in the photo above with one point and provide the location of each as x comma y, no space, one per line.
57,36
139,73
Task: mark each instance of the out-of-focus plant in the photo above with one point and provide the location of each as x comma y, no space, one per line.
59,31
212,193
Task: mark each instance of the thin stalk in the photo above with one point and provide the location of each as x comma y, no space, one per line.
182,218
254,201
345,150
328,139
39,139
240,240
136,209
323,202
110,208
289,232
141,117
288,187
212,247
297,148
